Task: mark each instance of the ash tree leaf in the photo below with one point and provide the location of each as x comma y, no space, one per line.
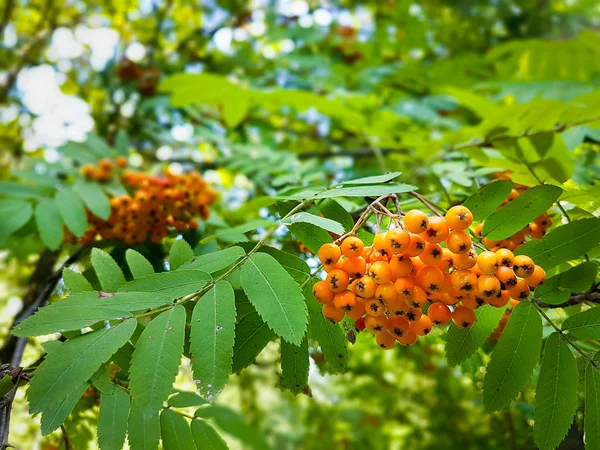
107,270
72,211
156,359
461,343
94,198
333,210
377,179
366,190
15,214
591,426
206,437
180,253
139,266
310,235
185,399
276,296
251,337
583,325
294,366
76,282
49,222
213,262
321,222
555,394
112,420
330,336
175,431
558,289
75,363
485,201
212,337
172,284
143,429
54,417
514,357
564,243
515,215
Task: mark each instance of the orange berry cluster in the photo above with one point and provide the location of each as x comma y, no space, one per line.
406,282
155,206
104,171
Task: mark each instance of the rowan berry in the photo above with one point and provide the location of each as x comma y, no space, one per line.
463,317
488,285
88,171
430,278
537,277
329,254
121,162
432,255
459,242
338,280
358,310
537,231
355,267
409,338
543,220
499,300
344,300
359,325
523,266
401,265
413,314
439,314
416,246
459,217
380,272
373,307
416,221
398,240
453,297
504,257
386,293
437,230
486,262
376,324
520,291
397,326
472,302
478,229
418,298
464,281
376,256
513,194
447,260
465,260
404,286
506,276
331,313
385,340
352,247
322,293
421,327
365,287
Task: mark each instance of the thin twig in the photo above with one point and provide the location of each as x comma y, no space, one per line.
426,203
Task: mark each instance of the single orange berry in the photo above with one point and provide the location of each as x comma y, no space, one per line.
437,230
344,301
478,229
358,311
459,217
458,242
439,314
365,287
464,280
430,278
499,300
486,262
506,276
382,245
472,302
398,325
373,307
352,247
416,245
355,267
413,314
447,260
322,293
416,221
432,255
385,340
338,280
386,293
376,324
523,266
404,286
329,254
463,317
121,162
537,277
504,257
409,338
401,265
398,240
465,260
380,272
332,314
421,327
520,291
488,285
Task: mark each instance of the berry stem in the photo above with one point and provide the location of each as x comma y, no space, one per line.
426,203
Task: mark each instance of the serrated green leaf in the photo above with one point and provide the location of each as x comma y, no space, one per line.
101,380
175,431
213,262
139,266
49,222
310,235
54,417
514,357
564,243
367,190
212,338
461,343
156,359
276,296
321,222
75,363
112,420
558,289
330,336
172,284
232,423
240,229
180,253
124,301
583,325
72,211
15,214
94,198
294,366
66,315
374,179
333,210
515,215
206,436
143,429
555,394
296,267
591,419
76,282
185,399
485,201
107,270
251,337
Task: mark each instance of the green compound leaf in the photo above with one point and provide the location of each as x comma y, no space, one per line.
94,198
558,289
591,419
583,325
140,267
112,421
49,222
172,284
107,270
76,282
54,417
143,429
72,211
485,201
180,253
175,431
15,214
321,222
206,437
213,262
294,366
